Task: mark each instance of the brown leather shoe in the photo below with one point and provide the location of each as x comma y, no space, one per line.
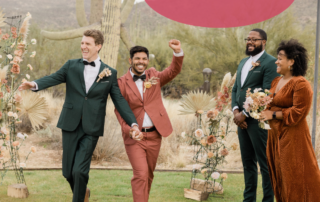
86,198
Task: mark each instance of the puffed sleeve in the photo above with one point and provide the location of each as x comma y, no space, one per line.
302,99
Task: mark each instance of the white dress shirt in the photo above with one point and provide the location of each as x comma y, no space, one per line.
147,122
245,70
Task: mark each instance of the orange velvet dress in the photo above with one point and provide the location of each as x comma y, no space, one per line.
292,163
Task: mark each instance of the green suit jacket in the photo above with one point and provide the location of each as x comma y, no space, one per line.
91,106
259,77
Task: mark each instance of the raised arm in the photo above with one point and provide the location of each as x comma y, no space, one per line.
174,69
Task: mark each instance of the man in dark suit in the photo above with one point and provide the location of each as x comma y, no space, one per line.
256,71
88,83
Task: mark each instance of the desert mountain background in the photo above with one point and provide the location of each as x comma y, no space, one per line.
59,14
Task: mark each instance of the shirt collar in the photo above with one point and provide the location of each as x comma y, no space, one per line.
256,57
132,74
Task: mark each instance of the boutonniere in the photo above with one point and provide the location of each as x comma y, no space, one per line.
254,65
105,73
149,83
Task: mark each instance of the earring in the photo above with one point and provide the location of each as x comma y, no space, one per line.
289,67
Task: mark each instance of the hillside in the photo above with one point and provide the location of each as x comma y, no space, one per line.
59,14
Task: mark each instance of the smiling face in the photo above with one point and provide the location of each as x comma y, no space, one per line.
89,49
139,63
283,63
254,47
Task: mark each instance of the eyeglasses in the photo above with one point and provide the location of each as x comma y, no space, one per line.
252,40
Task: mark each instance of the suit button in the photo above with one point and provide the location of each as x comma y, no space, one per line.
85,98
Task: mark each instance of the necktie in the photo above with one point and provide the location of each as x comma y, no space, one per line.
89,63
142,77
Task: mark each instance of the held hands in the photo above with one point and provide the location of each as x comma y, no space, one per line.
175,45
266,115
26,85
239,119
135,133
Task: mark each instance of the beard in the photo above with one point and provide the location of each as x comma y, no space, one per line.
256,50
139,72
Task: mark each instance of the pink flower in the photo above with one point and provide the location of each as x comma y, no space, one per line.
33,149
224,152
17,98
15,143
199,133
215,175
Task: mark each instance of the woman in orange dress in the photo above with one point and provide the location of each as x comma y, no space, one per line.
293,167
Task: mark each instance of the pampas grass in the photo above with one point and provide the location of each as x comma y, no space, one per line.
226,80
24,29
2,19
3,72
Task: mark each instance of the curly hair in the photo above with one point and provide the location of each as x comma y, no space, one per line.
295,50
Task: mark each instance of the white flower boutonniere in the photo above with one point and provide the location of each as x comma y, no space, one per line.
105,73
149,83
254,65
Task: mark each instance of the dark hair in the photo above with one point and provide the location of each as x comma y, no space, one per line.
137,49
295,50
262,33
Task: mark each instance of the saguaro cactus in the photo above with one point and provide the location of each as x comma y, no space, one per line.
109,19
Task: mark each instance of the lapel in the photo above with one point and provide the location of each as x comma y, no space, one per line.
81,69
95,83
132,85
147,93
250,72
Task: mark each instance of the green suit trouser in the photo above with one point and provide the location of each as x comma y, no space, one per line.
253,142
78,148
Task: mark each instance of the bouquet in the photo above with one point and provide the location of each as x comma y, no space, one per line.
255,103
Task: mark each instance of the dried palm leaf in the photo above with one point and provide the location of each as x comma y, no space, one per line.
195,101
225,81
2,19
35,107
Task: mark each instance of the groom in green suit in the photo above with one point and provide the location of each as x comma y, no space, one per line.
256,71
88,83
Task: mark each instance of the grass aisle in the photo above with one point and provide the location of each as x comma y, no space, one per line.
50,186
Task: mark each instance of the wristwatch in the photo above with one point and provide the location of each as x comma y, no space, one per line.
243,114
274,115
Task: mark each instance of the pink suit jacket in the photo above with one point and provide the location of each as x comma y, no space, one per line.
151,102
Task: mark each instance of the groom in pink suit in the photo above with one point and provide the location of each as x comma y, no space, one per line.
141,87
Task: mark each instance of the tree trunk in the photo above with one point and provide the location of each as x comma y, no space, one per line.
110,28
96,11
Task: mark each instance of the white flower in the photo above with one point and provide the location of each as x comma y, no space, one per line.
9,56
151,56
215,175
199,133
15,115
34,41
249,100
30,67
33,54
28,14
0,56
10,113
257,90
4,130
25,136
255,115
21,136
229,113
28,76
183,134
196,166
23,165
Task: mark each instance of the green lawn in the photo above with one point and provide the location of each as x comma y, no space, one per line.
46,186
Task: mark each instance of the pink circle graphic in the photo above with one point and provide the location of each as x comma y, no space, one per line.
219,13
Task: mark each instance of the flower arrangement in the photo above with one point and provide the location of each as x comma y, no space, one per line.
209,140
15,46
255,103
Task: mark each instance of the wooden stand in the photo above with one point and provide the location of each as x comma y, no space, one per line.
200,190
195,194
18,191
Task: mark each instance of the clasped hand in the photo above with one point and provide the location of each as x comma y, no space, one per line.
239,119
135,133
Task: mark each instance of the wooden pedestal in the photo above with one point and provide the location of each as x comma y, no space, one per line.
18,191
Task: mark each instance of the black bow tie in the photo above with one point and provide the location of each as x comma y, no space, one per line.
142,77
89,63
